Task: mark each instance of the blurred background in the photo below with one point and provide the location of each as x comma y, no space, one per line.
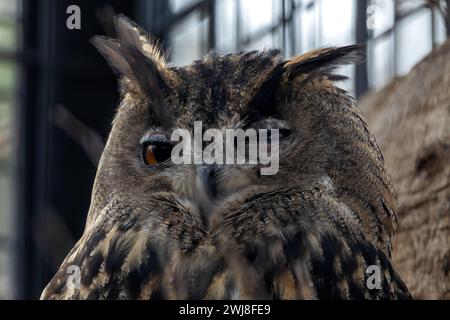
58,96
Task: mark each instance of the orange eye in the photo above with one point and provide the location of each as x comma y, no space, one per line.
156,153
149,155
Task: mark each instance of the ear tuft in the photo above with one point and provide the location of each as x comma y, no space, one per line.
111,50
128,55
324,60
316,62
131,34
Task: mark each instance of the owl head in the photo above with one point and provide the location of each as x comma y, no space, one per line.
323,138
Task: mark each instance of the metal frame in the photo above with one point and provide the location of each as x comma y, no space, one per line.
448,18
361,75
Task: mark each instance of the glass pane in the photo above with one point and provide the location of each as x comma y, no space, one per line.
7,78
257,15
265,42
404,6
304,3
226,25
307,34
6,193
380,16
381,67
289,50
5,275
8,8
349,84
441,29
188,39
178,5
8,43
337,22
8,35
5,171
413,46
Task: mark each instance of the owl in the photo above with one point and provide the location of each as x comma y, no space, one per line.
320,228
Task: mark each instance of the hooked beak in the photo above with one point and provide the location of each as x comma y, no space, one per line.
206,187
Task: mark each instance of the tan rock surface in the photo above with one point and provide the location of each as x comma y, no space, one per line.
411,121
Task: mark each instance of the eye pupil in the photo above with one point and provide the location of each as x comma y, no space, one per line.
156,153
163,152
284,133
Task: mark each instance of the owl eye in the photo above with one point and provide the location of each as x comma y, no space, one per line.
284,133
156,153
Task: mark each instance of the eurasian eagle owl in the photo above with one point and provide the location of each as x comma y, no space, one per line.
160,230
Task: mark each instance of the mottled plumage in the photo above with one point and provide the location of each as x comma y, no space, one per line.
220,232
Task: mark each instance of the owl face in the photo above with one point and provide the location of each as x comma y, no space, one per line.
253,90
